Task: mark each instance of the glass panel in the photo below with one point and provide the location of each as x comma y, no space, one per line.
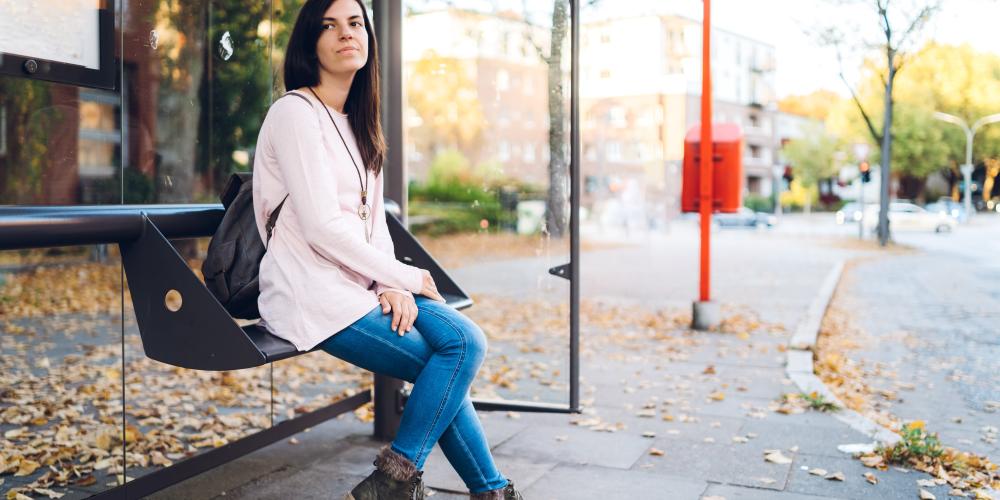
309,381
488,161
60,308
196,83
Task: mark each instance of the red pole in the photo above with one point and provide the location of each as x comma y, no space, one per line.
705,166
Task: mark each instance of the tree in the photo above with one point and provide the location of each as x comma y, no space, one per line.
898,26
812,158
954,79
442,92
815,104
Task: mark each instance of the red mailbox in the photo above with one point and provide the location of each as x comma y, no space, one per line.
727,168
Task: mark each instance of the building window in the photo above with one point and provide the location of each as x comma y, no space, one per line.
100,136
754,151
753,184
605,74
614,151
503,151
616,117
754,121
529,152
503,80
605,38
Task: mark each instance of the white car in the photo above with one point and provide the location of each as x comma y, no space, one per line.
851,212
910,217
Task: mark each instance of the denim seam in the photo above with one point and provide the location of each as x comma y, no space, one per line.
392,346
451,382
465,446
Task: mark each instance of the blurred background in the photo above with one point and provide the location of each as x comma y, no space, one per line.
487,134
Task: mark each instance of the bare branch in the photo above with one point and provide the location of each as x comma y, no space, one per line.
918,22
864,114
528,34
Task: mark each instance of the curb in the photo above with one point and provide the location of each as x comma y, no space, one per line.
799,366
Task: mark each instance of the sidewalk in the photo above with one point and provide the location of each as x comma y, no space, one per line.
669,413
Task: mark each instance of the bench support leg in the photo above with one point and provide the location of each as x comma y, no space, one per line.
388,403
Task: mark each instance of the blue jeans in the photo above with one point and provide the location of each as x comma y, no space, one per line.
440,355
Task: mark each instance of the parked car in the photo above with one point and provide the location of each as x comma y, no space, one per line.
948,206
851,212
910,217
744,218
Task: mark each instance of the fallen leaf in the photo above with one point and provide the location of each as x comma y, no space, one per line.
872,461
26,467
836,476
871,478
817,472
775,456
656,452
717,396
926,495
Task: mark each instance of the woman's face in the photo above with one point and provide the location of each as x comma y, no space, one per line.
343,44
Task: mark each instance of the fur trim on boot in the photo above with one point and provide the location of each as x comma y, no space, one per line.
506,493
395,465
394,477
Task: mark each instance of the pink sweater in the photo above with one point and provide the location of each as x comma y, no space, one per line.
315,276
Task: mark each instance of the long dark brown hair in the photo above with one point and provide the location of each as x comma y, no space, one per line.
363,106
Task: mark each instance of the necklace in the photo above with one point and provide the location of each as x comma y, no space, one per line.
364,211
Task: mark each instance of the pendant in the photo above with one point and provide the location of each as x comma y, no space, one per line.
364,212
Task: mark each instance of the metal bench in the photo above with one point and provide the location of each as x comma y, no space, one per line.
200,334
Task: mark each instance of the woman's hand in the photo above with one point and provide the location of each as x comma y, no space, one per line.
430,289
403,307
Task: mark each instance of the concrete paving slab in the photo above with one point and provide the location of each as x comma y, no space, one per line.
440,475
568,482
726,463
816,440
580,446
730,492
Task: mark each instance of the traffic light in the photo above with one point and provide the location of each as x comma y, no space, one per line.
788,175
866,171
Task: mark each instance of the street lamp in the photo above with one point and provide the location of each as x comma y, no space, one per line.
970,133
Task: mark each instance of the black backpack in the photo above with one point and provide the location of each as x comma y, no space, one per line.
235,251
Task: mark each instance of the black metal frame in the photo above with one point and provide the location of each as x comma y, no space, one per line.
105,77
143,231
388,391
148,484
153,267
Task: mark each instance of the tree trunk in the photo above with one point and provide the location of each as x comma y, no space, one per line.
556,213
885,173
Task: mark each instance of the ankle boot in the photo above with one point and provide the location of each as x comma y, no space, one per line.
506,493
394,478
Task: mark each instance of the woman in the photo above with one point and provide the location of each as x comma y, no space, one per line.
330,265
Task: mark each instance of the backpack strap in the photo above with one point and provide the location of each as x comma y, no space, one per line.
272,219
296,94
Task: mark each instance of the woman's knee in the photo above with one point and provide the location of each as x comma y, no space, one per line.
477,344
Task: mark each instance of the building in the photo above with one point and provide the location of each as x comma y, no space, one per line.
641,91
499,81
